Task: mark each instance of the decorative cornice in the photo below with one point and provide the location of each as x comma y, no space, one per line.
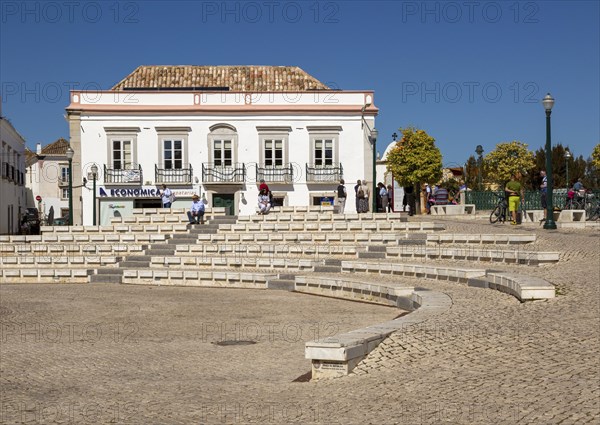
273,129
173,129
323,128
122,129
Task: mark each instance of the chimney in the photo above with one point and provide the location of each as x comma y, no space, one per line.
38,148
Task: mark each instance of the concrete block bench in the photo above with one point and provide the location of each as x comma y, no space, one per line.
497,239
524,288
453,209
337,355
324,217
44,275
564,216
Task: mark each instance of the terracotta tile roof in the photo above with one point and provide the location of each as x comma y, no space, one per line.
30,157
236,78
58,147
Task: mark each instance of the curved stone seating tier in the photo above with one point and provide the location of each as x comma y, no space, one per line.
328,251
44,275
118,228
525,288
532,258
469,238
160,218
337,355
197,278
304,237
107,238
37,249
247,249
379,293
217,211
323,217
63,260
356,226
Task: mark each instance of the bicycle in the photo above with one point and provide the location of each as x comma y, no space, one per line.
499,213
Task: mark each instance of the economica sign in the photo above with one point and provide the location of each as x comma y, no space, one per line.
130,193
139,192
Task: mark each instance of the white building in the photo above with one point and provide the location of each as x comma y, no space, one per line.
12,180
48,178
216,131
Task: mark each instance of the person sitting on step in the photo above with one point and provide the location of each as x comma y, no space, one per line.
196,212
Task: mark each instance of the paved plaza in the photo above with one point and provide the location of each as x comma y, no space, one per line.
100,353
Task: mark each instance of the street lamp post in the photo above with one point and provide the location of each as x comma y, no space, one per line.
70,152
549,224
568,156
94,176
479,152
373,140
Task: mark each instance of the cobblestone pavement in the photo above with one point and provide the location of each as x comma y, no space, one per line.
124,354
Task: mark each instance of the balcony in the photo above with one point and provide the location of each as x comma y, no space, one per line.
212,173
119,176
324,173
275,174
5,170
173,175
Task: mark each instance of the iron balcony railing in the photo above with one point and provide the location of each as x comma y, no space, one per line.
212,173
275,173
173,175
115,175
324,173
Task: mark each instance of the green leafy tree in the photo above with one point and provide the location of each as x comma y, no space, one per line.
577,168
507,159
415,158
596,156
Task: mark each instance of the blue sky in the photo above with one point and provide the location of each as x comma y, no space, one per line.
468,72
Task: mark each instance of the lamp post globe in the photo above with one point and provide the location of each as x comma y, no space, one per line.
549,224
69,153
94,176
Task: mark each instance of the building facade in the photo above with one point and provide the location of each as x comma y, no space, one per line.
48,179
217,131
12,180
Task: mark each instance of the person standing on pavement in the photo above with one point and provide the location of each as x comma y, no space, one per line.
383,194
341,196
543,190
356,194
166,196
514,189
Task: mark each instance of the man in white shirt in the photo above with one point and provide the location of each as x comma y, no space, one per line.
166,196
196,212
